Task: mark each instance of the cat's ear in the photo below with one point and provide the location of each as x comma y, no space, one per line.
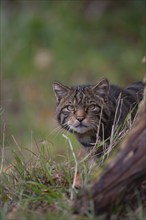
102,88
60,90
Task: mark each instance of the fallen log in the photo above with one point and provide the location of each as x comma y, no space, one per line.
125,174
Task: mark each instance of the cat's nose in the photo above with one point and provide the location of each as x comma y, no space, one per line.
80,118
80,115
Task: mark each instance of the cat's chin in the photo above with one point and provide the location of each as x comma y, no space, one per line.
80,129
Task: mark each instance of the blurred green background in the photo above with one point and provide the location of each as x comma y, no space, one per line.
69,41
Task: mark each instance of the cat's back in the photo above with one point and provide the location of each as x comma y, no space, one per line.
136,89
133,91
116,92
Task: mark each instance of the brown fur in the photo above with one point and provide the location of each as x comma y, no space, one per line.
88,110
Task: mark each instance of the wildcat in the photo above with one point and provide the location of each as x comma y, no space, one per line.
88,110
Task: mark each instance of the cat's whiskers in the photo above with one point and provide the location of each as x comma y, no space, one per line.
67,127
61,131
93,125
58,130
54,130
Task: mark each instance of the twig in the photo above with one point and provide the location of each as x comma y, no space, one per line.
76,164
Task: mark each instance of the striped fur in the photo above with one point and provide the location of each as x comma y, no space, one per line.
86,110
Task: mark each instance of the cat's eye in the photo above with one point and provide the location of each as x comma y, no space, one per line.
93,107
70,107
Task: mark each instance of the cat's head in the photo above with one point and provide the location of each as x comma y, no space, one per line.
82,108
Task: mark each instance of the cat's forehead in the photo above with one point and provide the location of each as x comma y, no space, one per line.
81,94
80,91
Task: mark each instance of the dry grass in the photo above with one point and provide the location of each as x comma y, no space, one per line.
39,187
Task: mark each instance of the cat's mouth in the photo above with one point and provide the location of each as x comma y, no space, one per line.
80,128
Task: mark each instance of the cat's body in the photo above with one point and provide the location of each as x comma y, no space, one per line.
91,110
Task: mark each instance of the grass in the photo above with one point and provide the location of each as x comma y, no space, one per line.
37,187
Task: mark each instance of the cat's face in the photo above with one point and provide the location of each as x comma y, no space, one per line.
79,108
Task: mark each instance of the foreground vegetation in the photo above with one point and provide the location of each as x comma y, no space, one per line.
38,187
